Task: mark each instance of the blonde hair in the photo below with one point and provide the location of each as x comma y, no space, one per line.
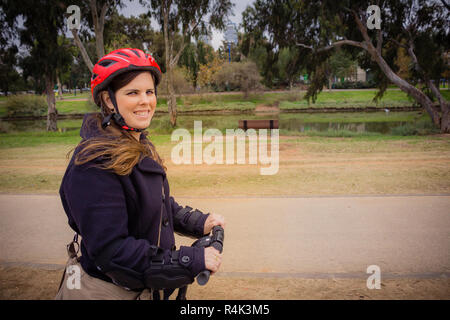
120,149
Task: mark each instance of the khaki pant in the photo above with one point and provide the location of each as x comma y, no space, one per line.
90,288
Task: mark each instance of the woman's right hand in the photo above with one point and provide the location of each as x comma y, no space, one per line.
213,259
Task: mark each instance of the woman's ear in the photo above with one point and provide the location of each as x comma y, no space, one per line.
107,100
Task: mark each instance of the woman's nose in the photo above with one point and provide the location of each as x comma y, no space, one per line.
145,98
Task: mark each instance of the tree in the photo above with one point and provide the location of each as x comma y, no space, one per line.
95,19
194,56
132,32
206,72
238,75
42,24
341,65
256,47
188,18
289,62
8,74
318,27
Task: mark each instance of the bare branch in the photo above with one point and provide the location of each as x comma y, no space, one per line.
445,4
398,43
335,44
362,28
84,53
379,41
427,79
175,59
304,46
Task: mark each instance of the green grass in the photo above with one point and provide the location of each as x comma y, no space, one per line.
237,102
29,139
68,107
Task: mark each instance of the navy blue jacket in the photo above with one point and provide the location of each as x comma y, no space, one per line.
102,207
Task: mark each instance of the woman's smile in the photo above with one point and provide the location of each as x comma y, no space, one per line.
137,101
144,114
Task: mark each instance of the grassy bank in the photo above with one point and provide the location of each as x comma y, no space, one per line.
286,100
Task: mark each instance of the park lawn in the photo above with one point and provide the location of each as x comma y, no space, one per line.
308,166
286,100
237,102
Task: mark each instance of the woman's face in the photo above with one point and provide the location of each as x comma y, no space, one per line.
136,101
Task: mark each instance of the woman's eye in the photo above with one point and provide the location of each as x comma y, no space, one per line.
131,93
149,91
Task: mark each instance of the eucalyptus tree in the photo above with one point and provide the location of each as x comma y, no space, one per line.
371,34
191,19
43,23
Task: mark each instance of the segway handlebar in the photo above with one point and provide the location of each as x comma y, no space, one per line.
214,240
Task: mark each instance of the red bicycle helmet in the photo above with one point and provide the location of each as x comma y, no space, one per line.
120,61
115,63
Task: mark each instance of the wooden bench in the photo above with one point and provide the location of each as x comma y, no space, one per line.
258,124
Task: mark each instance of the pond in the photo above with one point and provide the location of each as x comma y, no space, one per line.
377,122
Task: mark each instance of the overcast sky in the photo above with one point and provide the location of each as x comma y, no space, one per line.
135,9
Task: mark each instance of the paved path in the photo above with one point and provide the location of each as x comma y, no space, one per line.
284,237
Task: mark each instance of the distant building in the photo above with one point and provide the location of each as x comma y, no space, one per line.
361,74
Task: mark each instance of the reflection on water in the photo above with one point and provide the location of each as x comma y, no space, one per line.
380,127
290,122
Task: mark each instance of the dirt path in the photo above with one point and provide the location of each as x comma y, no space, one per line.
275,248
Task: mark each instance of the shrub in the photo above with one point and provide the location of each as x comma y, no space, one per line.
180,83
353,85
420,127
26,105
405,130
238,76
5,127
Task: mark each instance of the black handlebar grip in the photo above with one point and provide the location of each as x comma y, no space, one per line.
218,238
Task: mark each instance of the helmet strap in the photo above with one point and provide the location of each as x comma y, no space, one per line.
117,117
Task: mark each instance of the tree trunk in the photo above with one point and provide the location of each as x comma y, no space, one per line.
445,121
60,92
52,114
99,23
418,95
171,100
445,107
83,51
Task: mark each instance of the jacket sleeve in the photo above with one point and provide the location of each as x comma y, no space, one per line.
97,205
187,221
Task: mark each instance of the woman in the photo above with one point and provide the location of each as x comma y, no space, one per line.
116,194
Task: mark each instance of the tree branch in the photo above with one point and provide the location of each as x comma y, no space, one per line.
362,29
174,61
430,84
335,44
398,43
84,53
379,41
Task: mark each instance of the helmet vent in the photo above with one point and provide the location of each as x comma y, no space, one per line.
107,63
136,53
94,75
122,54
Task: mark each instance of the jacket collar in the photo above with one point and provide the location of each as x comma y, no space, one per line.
150,166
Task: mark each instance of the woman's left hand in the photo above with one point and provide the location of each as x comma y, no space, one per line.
212,221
